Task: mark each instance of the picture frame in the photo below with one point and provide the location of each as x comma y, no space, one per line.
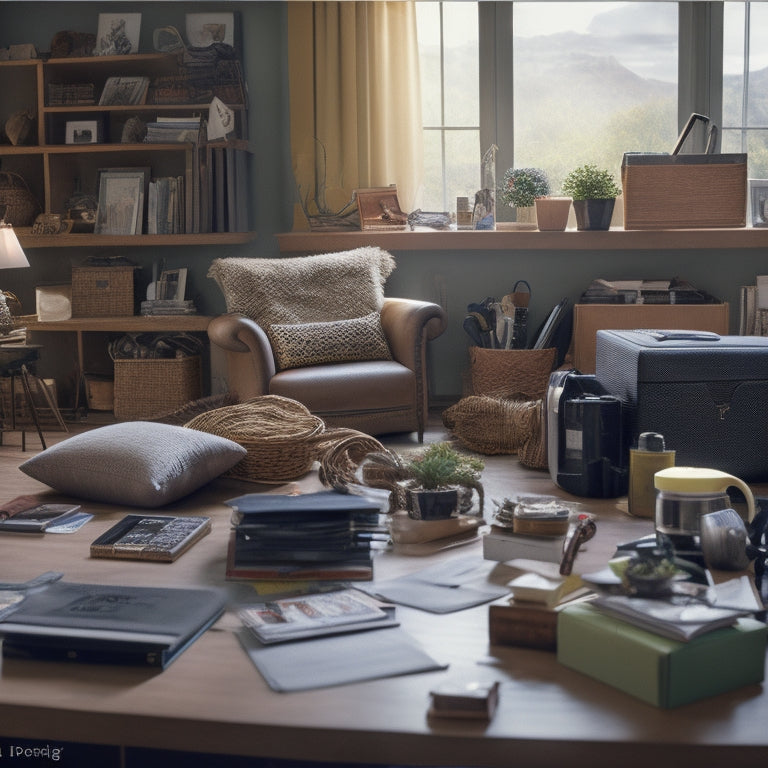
122,192
758,202
124,91
205,29
172,285
82,132
118,34
380,209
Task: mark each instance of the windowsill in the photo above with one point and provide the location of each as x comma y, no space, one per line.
508,237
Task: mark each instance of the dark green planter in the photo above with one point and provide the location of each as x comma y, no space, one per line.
433,505
594,214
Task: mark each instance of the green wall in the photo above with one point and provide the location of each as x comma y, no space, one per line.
452,278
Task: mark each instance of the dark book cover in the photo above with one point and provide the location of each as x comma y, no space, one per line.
99,623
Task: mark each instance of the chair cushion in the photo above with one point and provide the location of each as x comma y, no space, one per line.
296,345
305,289
375,386
136,463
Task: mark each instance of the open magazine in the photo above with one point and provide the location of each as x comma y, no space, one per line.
314,615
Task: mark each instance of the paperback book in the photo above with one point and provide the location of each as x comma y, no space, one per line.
37,518
324,613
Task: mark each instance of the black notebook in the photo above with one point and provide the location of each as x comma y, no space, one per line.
147,626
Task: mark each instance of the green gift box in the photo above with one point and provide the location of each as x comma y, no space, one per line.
662,672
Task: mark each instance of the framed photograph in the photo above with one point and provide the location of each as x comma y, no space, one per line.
204,29
380,209
118,34
172,285
124,91
120,209
758,198
83,132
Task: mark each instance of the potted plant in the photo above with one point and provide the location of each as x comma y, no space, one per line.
594,192
521,187
435,477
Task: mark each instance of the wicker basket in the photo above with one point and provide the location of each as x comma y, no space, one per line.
518,374
280,435
150,387
21,206
102,291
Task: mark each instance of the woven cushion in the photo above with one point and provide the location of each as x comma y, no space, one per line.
301,344
305,289
135,463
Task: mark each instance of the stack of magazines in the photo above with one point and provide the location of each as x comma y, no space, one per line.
675,291
326,535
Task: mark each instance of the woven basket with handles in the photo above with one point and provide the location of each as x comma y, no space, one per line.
21,205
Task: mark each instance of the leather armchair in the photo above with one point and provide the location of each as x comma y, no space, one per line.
375,396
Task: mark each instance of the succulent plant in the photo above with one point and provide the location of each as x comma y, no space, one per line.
588,182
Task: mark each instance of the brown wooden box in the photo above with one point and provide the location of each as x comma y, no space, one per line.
588,319
154,387
102,291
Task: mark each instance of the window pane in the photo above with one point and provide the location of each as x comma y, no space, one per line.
593,80
428,24
462,105
462,178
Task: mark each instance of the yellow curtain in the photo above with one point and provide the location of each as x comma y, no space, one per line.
355,102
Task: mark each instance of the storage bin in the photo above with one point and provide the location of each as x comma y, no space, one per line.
102,291
99,392
147,388
684,191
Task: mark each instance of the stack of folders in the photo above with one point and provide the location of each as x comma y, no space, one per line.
325,535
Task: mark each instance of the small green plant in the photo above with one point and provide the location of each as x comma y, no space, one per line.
521,186
588,182
440,465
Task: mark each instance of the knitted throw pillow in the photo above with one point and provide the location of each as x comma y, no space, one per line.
300,344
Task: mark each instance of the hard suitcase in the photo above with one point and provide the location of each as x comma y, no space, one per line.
707,394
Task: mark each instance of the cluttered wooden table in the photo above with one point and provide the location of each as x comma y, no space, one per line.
213,699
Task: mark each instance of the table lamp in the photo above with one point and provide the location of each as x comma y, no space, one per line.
11,256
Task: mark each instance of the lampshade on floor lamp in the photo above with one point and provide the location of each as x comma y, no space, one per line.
11,257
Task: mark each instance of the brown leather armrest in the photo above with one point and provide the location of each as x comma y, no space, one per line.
407,323
251,370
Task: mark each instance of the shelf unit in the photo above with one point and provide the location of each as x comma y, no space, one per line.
54,170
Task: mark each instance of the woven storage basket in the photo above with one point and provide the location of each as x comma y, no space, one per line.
280,435
22,207
102,291
520,374
682,191
493,425
148,387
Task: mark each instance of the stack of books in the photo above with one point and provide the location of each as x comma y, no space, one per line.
323,536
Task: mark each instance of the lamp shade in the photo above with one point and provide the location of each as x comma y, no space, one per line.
11,253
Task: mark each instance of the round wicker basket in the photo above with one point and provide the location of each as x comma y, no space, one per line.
22,207
279,434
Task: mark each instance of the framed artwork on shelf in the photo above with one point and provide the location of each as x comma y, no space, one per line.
380,209
120,209
172,285
204,29
758,200
83,132
118,34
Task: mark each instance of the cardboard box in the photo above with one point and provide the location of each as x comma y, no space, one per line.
662,672
588,319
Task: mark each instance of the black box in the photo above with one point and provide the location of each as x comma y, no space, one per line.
707,394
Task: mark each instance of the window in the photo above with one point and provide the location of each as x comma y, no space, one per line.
448,53
562,84
745,76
